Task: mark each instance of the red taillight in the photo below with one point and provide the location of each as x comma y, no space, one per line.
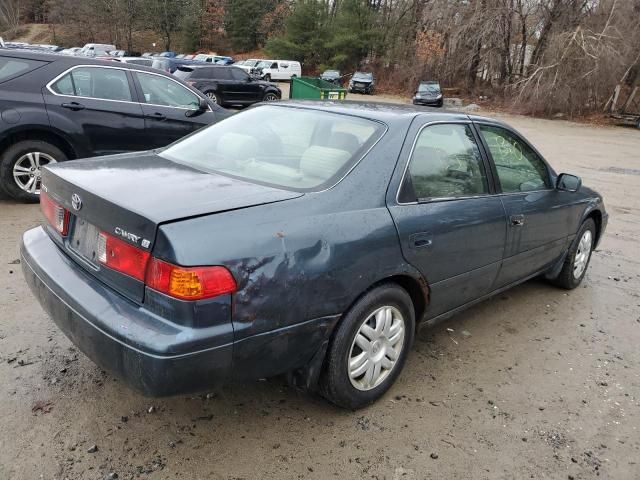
189,283
184,283
122,257
56,214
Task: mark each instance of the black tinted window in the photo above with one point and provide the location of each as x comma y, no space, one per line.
12,67
239,75
220,73
446,163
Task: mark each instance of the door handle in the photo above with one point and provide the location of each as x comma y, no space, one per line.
73,106
157,116
420,240
517,220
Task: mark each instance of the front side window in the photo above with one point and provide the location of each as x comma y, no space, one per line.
160,90
93,82
446,163
519,168
292,148
239,75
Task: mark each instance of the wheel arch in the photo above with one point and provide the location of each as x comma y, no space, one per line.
596,215
41,134
411,281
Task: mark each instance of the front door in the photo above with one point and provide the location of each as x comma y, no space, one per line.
450,225
96,104
245,89
165,104
538,216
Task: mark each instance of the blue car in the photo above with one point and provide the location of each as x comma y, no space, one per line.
307,239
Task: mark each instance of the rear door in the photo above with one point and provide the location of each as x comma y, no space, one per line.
538,215
165,104
98,103
451,226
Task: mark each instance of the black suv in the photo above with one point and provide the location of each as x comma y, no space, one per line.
228,85
55,108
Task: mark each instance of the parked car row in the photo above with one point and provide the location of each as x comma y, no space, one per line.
428,92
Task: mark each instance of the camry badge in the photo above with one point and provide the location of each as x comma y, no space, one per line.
76,201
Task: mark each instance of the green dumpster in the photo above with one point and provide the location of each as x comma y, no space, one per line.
313,88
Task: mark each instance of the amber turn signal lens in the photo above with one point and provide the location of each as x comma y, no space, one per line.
189,283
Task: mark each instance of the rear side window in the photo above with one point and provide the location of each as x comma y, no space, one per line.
14,67
446,163
92,82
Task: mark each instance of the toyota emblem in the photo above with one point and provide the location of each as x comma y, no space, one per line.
76,201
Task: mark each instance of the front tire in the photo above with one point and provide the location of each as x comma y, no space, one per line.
578,257
270,97
213,96
267,77
369,348
21,168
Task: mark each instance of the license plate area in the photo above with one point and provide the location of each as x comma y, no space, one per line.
85,241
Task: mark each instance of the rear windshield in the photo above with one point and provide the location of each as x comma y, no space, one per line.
291,148
13,67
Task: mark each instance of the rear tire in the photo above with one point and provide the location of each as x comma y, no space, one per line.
358,371
577,261
270,97
20,168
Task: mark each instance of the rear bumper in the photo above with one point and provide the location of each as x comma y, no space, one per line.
110,329
139,346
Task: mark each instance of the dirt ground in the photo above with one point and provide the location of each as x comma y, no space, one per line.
535,383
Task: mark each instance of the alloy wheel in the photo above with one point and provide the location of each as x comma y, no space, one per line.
376,348
27,171
212,96
582,254
270,97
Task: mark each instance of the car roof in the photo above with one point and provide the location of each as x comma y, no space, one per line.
70,61
384,111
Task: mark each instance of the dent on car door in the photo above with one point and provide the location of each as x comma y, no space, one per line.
165,104
451,228
537,214
98,104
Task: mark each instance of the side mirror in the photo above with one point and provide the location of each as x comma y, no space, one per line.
568,183
203,106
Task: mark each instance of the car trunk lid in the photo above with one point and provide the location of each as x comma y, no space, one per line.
128,196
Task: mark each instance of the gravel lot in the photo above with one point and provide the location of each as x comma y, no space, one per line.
535,383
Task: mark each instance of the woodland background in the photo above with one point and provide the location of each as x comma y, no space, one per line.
545,56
